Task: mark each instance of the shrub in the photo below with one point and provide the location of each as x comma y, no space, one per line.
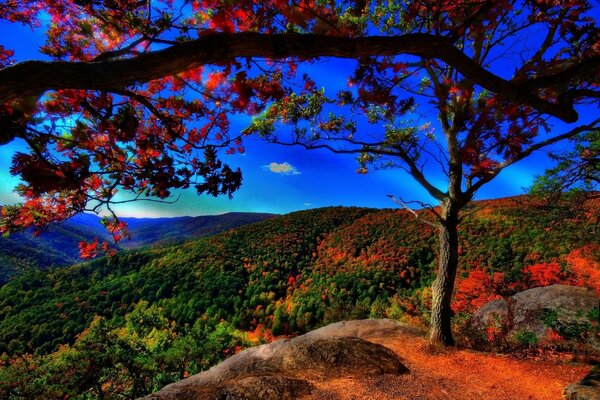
476,289
525,338
543,274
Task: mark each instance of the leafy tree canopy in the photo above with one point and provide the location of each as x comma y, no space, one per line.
139,95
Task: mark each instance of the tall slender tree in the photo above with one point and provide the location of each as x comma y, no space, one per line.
138,95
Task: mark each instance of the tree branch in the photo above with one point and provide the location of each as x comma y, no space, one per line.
33,78
413,169
585,68
120,52
525,153
413,212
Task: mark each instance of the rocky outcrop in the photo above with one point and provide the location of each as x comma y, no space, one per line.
565,309
279,370
587,389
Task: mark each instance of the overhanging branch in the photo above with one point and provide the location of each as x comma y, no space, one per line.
33,78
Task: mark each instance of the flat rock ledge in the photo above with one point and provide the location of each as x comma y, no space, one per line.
282,369
587,389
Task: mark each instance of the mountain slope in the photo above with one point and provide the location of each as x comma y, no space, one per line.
58,245
182,308
150,231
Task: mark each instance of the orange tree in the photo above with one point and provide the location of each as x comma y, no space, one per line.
138,94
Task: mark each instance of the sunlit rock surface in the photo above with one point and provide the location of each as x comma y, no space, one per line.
282,369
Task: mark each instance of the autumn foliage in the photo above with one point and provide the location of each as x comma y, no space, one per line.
579,268
179,309
136,129
585,266
477,289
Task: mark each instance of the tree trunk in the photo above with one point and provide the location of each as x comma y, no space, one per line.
443,286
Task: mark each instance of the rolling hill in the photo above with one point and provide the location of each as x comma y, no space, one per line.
145,317
58,245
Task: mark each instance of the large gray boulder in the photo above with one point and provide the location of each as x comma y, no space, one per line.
279,370
587,389
566,309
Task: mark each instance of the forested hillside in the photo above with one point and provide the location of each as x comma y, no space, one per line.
123,326
58,244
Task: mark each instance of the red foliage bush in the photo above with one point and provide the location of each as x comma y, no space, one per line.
585,266
477,289
543,274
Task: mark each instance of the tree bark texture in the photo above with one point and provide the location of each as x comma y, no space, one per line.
443,286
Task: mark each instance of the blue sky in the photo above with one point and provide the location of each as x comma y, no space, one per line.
281,179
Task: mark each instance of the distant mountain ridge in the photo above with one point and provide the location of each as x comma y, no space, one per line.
150,231
58,245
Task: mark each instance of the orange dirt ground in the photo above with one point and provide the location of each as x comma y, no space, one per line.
454,374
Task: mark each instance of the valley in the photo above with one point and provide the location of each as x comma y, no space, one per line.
124,326
57,245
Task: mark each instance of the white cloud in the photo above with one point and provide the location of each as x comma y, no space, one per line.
284,168
308,204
